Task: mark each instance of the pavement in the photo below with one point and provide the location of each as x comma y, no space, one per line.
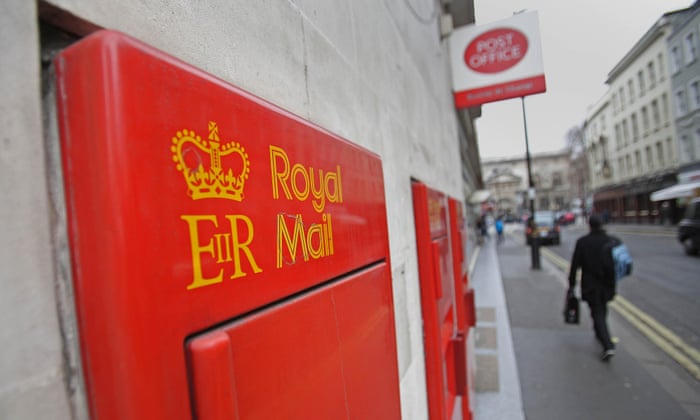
528,364
495,374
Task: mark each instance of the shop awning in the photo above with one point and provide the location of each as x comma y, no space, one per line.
479,196
675,191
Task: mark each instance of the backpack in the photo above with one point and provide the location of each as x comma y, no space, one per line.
617,258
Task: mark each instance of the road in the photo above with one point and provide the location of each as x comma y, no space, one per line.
655,318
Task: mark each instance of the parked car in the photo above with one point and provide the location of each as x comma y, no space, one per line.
567,218
689,228
509,218
546,228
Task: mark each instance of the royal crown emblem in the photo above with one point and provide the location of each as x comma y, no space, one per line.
222,175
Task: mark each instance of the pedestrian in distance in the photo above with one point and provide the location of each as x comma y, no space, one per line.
499,229
483,228
597,280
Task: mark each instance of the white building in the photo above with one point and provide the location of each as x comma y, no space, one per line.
630,134
597,148
552,175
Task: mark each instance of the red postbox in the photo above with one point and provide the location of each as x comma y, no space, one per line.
229,259
440,324
464,303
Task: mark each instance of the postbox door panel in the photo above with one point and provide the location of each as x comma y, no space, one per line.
270,366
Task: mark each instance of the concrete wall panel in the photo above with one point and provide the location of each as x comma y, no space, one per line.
31,381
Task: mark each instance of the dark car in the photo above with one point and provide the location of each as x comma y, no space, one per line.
689,228
546,228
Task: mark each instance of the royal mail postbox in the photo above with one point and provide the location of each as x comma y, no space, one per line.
440,323
464,304
230,260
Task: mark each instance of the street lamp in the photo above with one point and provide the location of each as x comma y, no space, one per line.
534,241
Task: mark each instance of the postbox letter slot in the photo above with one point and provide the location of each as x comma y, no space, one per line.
437,277
470,306
460,346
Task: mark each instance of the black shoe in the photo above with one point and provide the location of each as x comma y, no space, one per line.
607,355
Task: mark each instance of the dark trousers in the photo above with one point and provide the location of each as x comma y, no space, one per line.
599,313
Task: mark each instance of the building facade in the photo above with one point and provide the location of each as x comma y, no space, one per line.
374,73
631,137
597,144
553,176
684,47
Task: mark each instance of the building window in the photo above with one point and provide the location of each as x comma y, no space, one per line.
655,114
660,154
625,133
652,74
669,151
618,137
676,59
638,162
559,202
622,98
694,96
635,128
594,152
640,78
628,164
556,180
681,105
614,102
691,51
650,158
621,165
645,120
661,66
688,149
697,138
630,90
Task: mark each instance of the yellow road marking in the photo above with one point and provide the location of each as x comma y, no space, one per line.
623,231
680,351
662,330
657,339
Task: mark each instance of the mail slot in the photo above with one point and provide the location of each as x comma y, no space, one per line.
229,259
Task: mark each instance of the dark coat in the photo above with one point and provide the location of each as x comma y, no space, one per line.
588,256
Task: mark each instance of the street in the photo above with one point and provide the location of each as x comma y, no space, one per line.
655,318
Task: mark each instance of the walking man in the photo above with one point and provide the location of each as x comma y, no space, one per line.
597,281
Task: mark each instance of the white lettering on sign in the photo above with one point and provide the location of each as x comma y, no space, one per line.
496,50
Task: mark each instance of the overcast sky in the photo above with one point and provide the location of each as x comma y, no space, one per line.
581,42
